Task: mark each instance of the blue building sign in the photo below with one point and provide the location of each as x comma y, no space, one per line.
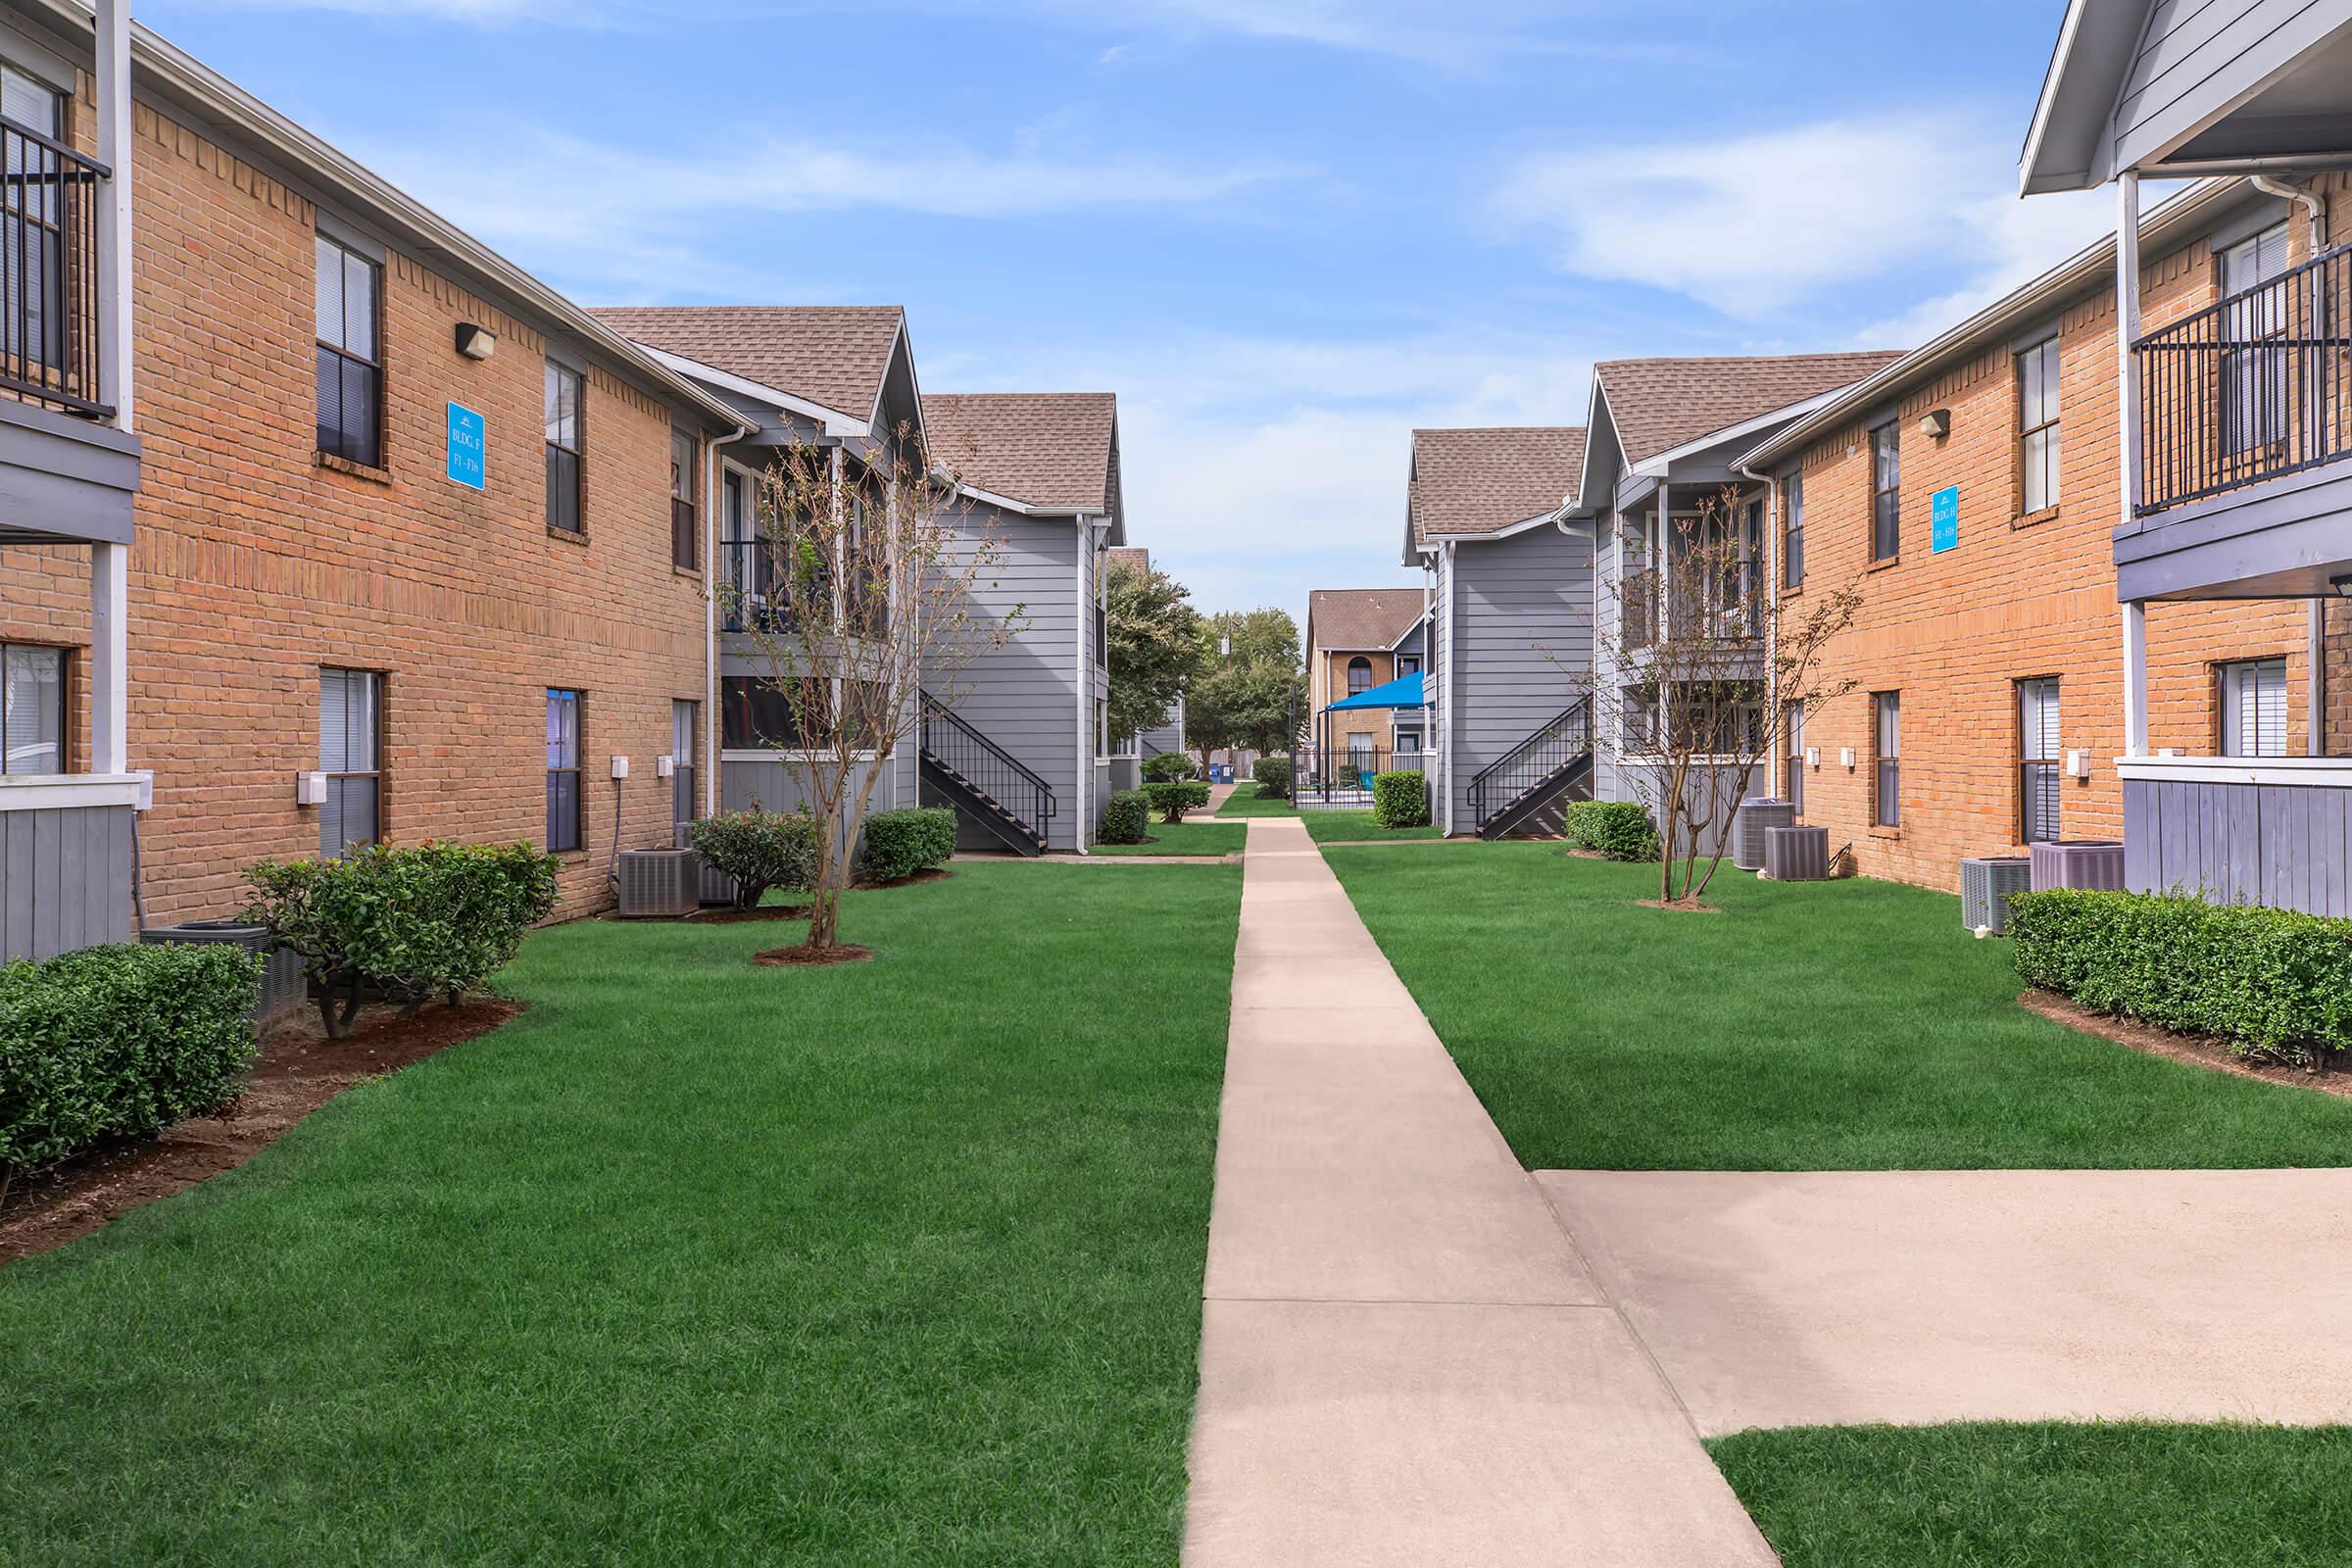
468,436
1943,517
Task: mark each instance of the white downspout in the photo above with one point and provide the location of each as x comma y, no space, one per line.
1449,686
714,519
109,564
1082,776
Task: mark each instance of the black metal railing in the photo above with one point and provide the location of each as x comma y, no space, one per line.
955,747
1533,763
1638,609
2248,389
1102,637
1343,774
49,329
751,596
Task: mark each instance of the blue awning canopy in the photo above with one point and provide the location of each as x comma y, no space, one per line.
1403,692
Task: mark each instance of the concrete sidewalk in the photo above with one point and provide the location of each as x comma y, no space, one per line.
1843,1296
1402,1360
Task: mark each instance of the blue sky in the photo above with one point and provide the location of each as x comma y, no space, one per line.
1285,231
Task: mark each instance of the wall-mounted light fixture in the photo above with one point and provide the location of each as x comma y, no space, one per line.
1936,424
2341,586
476,342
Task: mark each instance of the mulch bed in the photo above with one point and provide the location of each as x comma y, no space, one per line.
2197,1051
803,959
299,1069
1678,905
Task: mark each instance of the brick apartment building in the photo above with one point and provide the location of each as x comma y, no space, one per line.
1356,639
1988,701
318,581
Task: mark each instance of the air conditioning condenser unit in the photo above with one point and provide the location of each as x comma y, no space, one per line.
660,884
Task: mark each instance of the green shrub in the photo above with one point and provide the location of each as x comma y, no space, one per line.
116,1042
1126,818
1618,829
1172,798
1273,775
2274,981
1161,765
1401,799
758,849
434,920
899,843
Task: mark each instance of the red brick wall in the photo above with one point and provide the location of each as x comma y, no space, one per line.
253,565
1374,723
2018,598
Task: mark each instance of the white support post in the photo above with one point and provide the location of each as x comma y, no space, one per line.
714,520
2127,384
114,232
109,659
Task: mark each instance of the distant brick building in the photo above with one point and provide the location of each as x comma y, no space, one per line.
1356,639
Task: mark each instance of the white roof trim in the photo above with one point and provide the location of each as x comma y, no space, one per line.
2060,55
836,422
1008,504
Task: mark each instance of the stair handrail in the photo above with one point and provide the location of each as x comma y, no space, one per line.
1570,731
1000,761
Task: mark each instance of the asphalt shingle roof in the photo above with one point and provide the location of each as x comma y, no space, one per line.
1361,618
1049,450
834,356
1476,481
1658,404
1134,556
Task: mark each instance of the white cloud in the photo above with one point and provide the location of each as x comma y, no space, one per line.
1755,223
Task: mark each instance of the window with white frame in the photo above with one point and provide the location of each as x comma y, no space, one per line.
564,389
1885,492
351,369
566,818
2253,701
1886,759
2038,426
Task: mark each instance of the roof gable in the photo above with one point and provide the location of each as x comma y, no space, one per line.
1347,618
1479,481
1049,451
835,356
1658,404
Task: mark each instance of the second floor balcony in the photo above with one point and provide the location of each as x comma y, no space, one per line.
753,596
2249,390
51,340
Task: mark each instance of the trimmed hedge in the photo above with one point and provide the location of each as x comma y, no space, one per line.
118,1042
1172,798
1618,829
1401,799
1273,776
899,843
760,850
2277,982
435,919
1127,817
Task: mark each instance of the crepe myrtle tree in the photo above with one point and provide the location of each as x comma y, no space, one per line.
1154,634
859,602
1699,672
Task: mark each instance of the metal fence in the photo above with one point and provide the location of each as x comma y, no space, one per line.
1340,776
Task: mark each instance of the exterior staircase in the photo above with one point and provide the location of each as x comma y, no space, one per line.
1538,771
984,782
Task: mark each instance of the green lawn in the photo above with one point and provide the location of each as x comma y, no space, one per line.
1358,828
696,1262
1813,1026
1245,802
1994,1495
1201,836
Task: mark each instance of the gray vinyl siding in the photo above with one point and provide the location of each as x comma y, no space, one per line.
65,879
2196,58
2285,846
1024,695
1522,643
65,478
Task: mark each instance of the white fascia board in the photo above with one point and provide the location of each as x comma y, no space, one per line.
1008,504
900,344
2030,180
836,422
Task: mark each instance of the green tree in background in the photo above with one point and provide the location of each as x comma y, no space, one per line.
1153,642
1247,691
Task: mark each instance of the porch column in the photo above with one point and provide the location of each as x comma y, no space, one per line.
113,236
110,657
2135,678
